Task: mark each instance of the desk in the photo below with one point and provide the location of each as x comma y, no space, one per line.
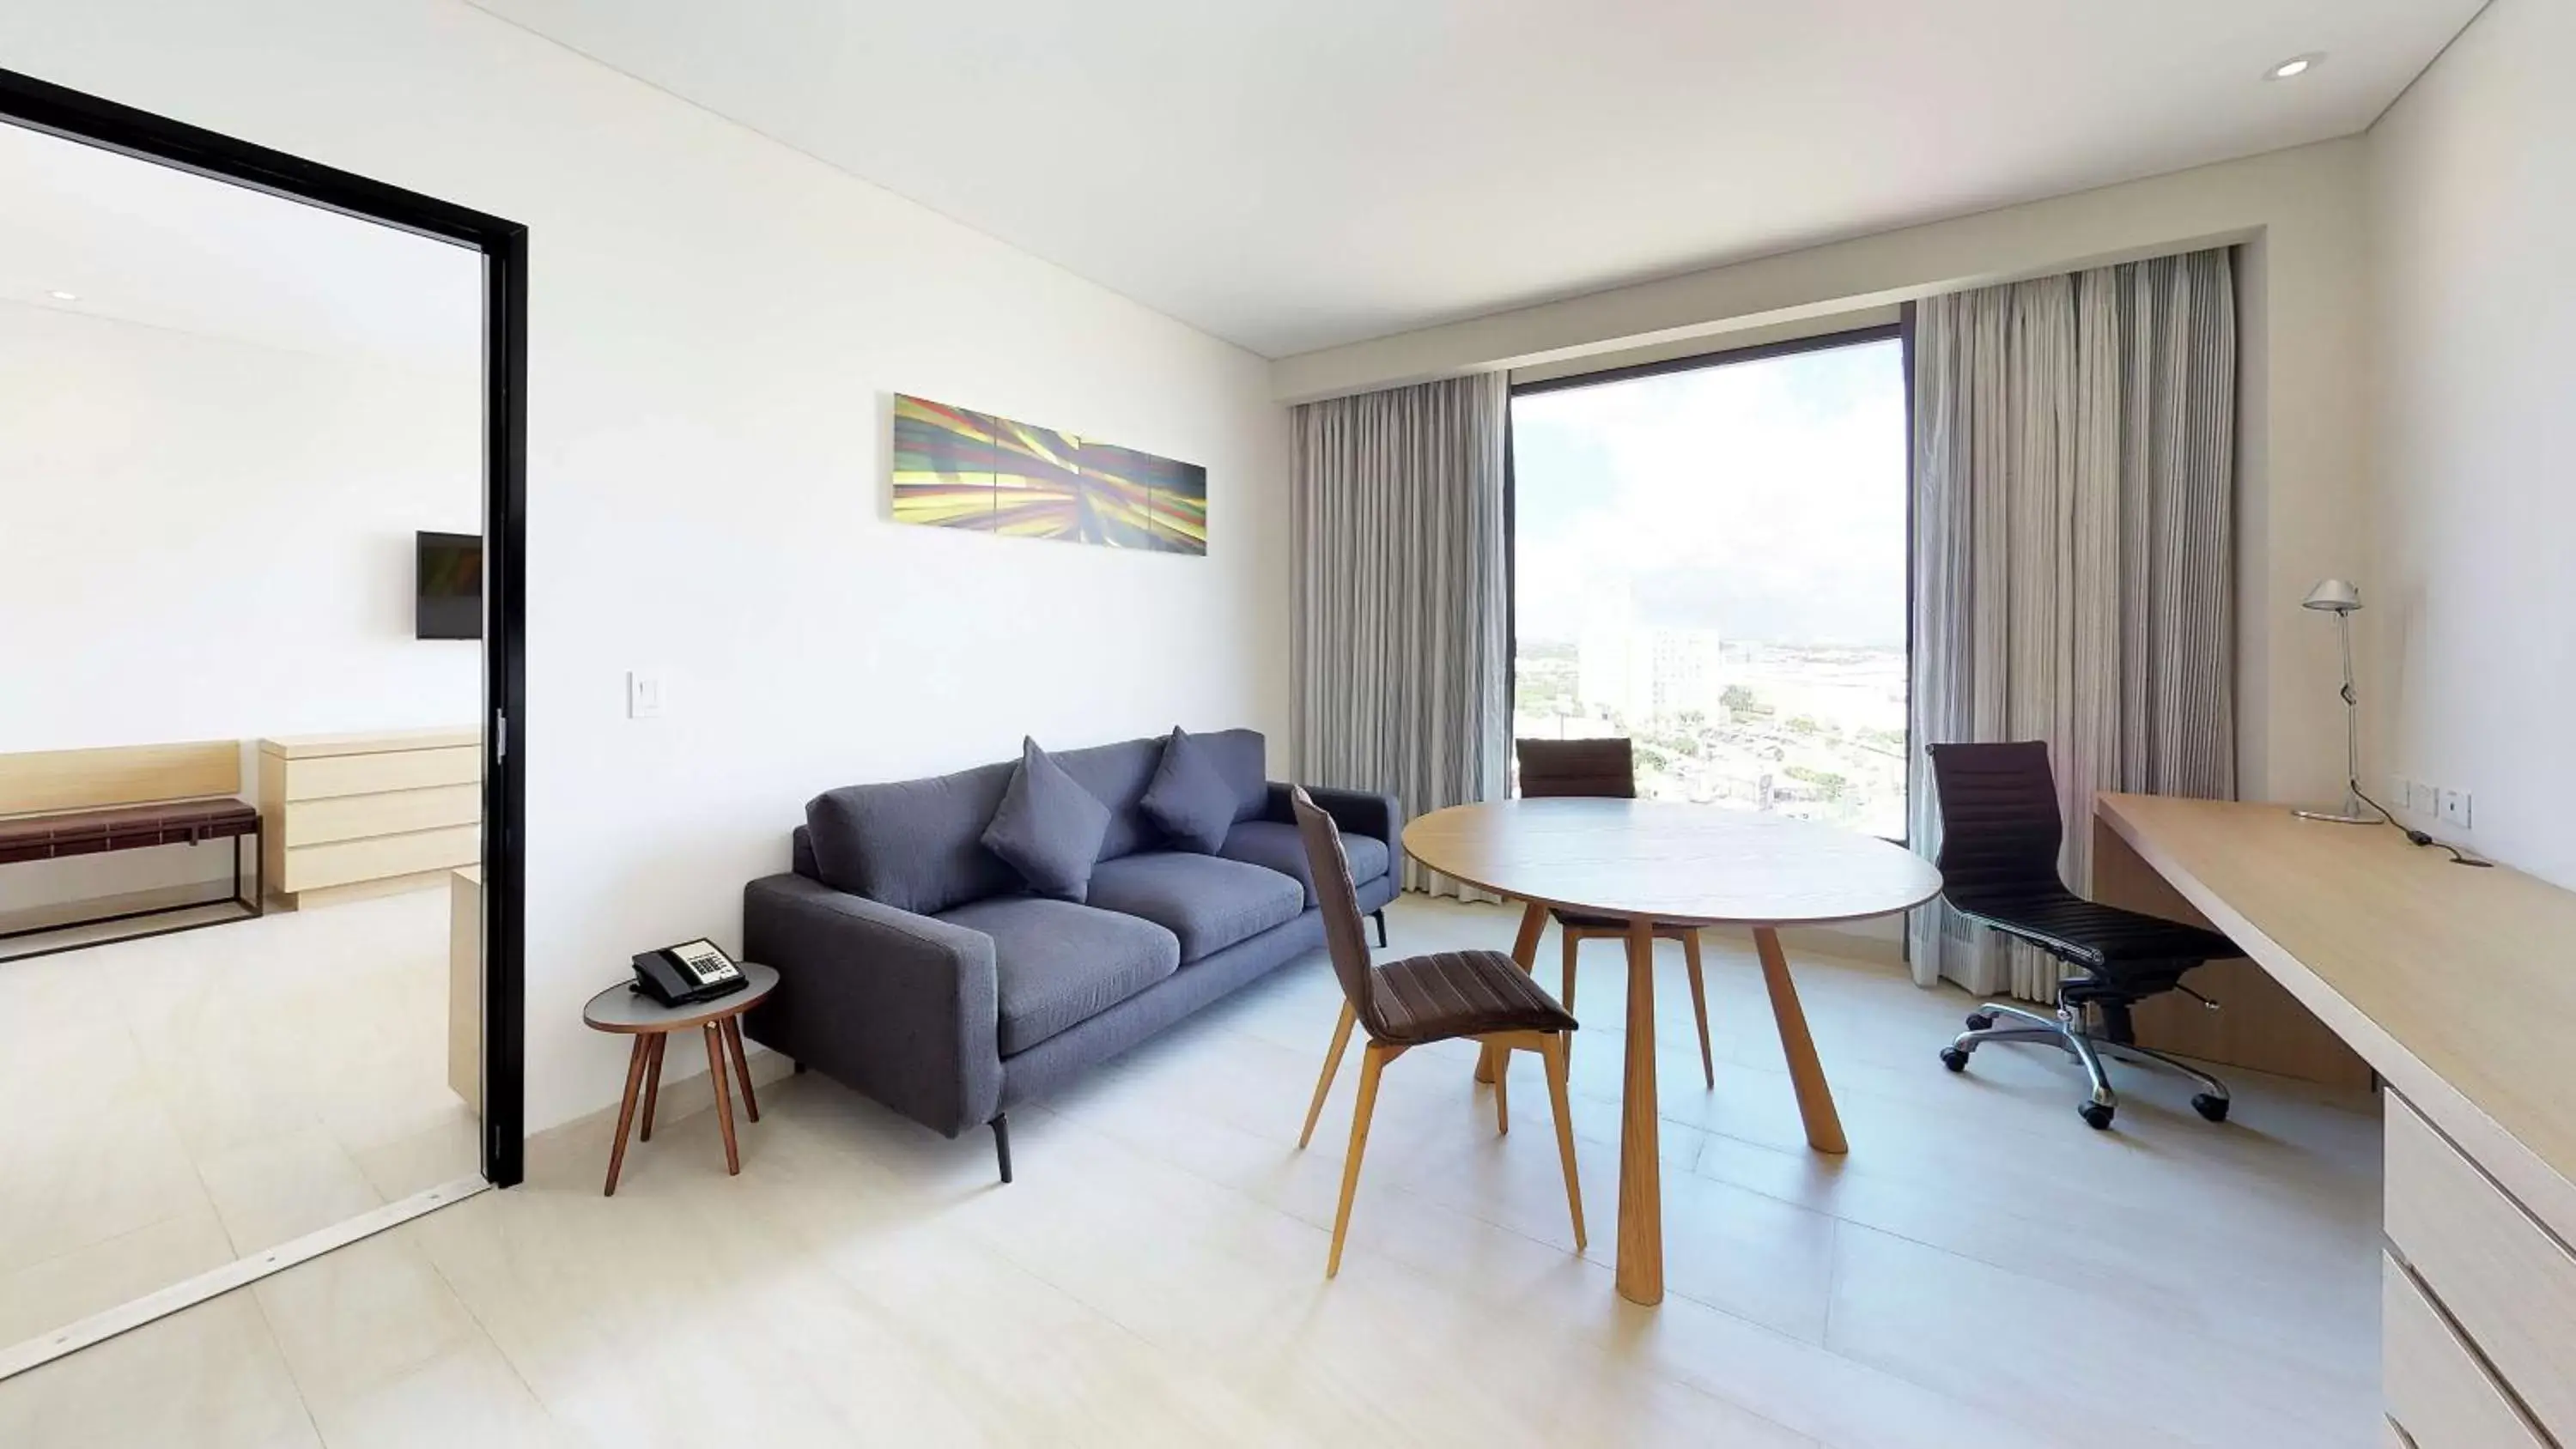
2458,987
1693,865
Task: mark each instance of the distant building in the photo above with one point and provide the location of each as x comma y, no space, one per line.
1647,672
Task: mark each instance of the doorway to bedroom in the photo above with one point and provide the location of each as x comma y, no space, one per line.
261,431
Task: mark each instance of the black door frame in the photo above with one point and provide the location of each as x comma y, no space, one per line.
42,106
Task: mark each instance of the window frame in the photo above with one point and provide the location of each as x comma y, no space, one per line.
1900,331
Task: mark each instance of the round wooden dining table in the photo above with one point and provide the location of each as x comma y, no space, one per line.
1651,862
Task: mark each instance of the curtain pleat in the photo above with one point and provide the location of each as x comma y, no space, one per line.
1400,668
2074,483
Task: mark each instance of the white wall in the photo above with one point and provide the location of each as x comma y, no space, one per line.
716,323
212,540
2298,218
2470,602
209,539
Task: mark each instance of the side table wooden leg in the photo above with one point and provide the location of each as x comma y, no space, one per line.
1806,1073
741,1068
1492,1060
652,1081
724,1100
625,1113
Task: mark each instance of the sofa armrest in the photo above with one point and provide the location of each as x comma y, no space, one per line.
899,1006
1358,812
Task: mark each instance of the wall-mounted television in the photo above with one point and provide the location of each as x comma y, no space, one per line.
449,604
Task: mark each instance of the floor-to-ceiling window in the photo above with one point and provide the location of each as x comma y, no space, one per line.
1711,558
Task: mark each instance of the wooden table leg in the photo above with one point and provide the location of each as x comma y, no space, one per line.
652,1081
1491,1060
1641,1179
625,1113
1815,1099
724,1100
741,1069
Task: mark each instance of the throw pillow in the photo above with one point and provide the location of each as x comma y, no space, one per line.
1048,828
1188,798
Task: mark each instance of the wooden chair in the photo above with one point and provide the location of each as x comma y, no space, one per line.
1480,996
1605,769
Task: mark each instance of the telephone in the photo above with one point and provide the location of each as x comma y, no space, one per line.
690,971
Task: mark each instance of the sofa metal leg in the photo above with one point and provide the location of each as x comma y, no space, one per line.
1002,1142
1379,916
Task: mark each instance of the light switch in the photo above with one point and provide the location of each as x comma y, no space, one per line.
643,695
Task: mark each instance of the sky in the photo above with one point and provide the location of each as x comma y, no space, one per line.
1762,499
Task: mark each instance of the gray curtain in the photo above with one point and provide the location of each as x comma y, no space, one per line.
2075,445
1401,677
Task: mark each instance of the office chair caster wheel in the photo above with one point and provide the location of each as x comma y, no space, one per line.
2213,1108
1980,1020
2095,1115
1953,1058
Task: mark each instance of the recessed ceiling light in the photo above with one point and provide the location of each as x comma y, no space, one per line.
61,296
2297,65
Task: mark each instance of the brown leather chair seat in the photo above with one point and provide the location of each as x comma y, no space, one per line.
124,827
1460,993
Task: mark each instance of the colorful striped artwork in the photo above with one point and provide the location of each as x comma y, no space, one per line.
954,468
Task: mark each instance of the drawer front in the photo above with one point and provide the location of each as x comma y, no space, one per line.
394,812
2500,1275
312,867
2436,1389
327,776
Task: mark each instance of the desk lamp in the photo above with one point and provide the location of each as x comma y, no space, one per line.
2339,598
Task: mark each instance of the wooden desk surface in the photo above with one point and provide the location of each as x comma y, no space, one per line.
2457,985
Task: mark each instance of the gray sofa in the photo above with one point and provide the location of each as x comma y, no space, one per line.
914,968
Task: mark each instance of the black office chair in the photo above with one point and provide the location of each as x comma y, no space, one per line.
1999,839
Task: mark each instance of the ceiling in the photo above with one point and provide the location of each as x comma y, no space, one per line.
1293,176
142,243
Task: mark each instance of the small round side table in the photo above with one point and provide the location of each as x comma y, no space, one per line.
622,1009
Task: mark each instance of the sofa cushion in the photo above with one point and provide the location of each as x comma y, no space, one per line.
1048,827
1240,758
1188,799
1276,845
1116,775
915,845
1209,904
1057,964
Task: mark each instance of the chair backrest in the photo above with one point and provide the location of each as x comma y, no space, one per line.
1604,769
1343,939
2000,830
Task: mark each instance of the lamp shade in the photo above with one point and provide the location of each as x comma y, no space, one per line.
2335,596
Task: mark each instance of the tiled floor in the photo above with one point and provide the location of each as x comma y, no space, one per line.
192,1098
1982,1269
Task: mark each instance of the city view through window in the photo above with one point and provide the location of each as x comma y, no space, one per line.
1713,563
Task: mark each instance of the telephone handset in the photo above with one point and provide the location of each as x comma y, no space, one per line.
688,972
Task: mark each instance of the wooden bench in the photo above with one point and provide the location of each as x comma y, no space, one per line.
57,804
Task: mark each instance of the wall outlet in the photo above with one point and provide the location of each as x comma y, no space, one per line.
2455,809
2401,793
643,695
2422,799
